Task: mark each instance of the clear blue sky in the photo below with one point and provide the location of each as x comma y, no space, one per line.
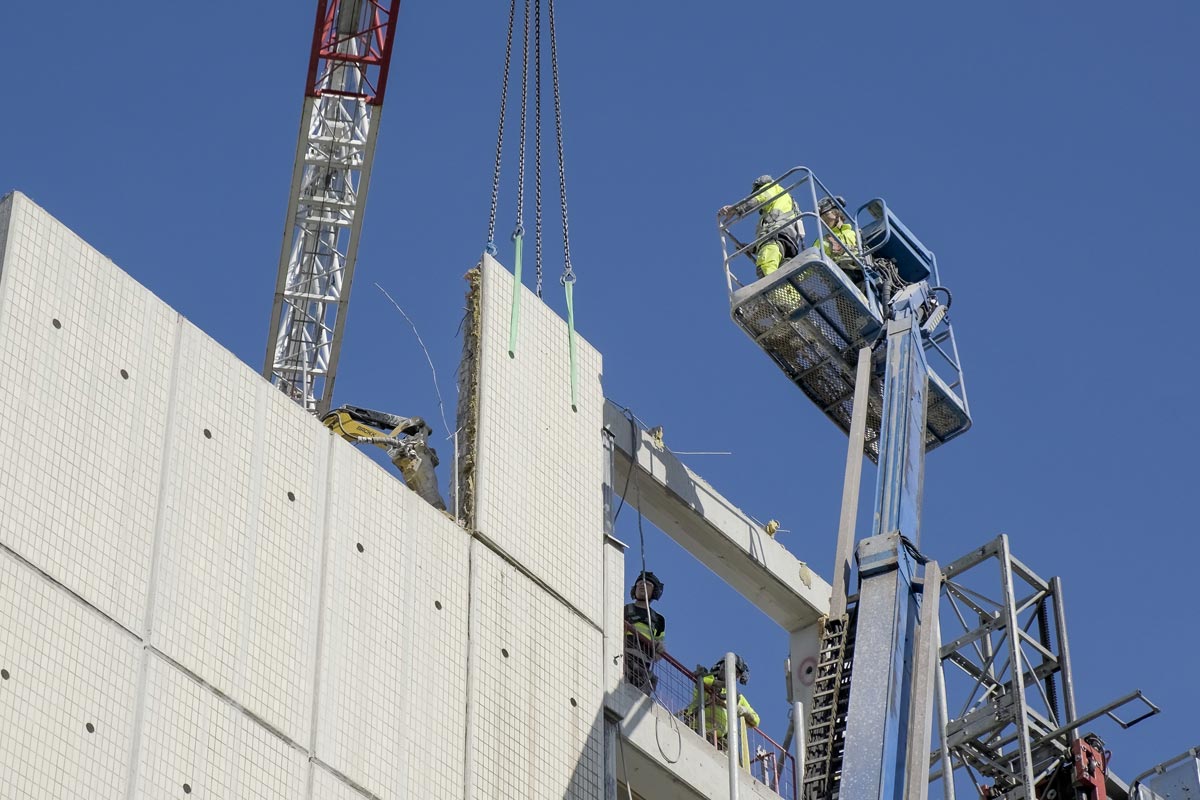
1046,152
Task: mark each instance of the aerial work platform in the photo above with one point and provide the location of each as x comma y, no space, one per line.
812,320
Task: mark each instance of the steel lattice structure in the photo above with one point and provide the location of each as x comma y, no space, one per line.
1006,699
344,91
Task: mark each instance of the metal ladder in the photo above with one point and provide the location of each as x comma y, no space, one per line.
830,700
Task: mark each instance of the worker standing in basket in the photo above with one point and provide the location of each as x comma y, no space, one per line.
716,720
780,233
645,632
842,239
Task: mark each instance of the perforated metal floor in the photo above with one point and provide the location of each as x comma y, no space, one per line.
811,320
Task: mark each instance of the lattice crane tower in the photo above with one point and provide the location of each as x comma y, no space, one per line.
344,91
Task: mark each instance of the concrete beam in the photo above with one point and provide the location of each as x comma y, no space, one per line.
681,504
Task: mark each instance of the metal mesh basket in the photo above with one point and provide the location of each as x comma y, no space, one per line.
812,321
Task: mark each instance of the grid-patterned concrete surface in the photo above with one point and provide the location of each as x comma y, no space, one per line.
538,691
197,744
68,681
179,566
241,535
393,676
86,359
539,464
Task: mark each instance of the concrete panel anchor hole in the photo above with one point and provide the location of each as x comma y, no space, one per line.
124,374
207,433
437,604
5,674
57,325
292,496
90,728
504,652
574,702
187,788
359,547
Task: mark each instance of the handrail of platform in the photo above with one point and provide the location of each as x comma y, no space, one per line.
676,688
789,181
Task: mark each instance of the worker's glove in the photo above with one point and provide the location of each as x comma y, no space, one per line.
742,712
725,212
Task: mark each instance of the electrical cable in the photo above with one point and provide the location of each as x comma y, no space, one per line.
420,341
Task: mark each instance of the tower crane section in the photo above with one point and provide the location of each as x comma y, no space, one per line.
343,96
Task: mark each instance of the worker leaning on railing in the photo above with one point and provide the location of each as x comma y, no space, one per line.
644,643
784,238
716,720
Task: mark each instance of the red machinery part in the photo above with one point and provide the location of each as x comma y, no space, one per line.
374,31
1088,769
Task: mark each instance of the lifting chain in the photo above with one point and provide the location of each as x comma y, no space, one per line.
519,229
568,275
491,234
537,142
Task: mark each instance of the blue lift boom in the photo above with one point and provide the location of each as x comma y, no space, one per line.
862,352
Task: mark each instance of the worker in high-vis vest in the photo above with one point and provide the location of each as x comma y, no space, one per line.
780,233
645,632
716,718
842,239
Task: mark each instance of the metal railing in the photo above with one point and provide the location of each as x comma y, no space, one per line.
677,688
879,281
807,192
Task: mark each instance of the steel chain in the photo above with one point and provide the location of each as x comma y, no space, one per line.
568,275
519,229
537,141
491,236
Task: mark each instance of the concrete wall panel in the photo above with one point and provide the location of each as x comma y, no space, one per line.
539,478
539,693
327,786
241,542
86,364
63,667
393,655
197,744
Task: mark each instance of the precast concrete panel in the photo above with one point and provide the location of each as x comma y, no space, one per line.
538,693
86,355
328,786
539,474
236,599
392,685
197,744
68,678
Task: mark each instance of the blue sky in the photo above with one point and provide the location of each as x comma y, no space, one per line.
1046,152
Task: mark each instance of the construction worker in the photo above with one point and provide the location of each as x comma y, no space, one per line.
716,720
779,236
842,239
645,632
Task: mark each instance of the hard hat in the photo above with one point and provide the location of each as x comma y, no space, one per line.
651,578
763,180
830,203
739,666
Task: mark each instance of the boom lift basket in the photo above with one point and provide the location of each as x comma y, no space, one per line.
812,320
